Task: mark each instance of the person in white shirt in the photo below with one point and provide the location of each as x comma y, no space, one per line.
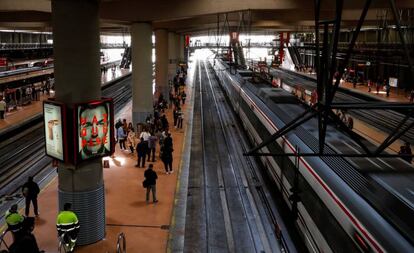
144,134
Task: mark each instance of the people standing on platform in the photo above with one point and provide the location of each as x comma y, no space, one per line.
30,191
152,144
175,116
68,226
387,87
164,122
180,119
3,107
150,183
369,85
121,136
183,97
29,93
118,124
142,148
131,139
412,96
166,154
14,220
354,81
25,240
350,122
406,152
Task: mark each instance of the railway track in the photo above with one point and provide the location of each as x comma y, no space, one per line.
23,153
237,214
384,120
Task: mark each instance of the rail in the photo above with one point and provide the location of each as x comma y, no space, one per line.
121,243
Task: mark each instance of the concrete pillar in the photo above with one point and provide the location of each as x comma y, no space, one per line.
180,47
77,79
172,55
141,45
161,62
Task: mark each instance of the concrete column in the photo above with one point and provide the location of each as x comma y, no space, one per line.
172,55
180,47
77,79
141,45
161,62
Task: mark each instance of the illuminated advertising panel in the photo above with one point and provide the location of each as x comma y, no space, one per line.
393,82
54,133
94,129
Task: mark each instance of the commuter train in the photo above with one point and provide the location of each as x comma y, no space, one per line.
345,204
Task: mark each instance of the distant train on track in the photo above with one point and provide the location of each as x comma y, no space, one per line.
342,204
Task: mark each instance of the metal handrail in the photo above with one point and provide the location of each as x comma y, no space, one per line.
121,239
2,241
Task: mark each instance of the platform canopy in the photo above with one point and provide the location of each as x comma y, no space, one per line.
194,16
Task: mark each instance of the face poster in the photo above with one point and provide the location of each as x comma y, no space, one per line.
53,130
94,130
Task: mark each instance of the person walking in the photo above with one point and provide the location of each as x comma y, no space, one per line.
121,135
14,220
150,183
30,191
3,107
67,225
141,152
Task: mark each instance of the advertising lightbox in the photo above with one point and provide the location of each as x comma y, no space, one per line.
393,82
93,129
54,115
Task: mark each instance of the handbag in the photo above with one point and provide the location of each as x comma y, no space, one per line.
145,183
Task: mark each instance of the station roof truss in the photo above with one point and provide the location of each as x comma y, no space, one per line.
328,72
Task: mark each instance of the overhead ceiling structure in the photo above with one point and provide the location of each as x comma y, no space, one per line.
194,16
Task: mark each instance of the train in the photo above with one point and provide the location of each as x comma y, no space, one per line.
339,204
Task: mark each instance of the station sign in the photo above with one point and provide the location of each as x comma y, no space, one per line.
94,129
54,124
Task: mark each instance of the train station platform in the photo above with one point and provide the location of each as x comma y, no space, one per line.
146,226
26,112
395,94
370,132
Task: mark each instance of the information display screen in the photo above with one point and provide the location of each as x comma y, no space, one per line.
53,123
94,129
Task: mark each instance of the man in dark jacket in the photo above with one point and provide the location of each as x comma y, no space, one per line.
25,241
142,149
150,182
30,191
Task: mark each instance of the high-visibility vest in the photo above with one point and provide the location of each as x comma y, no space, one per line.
14,221
67,221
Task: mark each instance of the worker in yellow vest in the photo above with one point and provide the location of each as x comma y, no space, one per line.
68,227
14,220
